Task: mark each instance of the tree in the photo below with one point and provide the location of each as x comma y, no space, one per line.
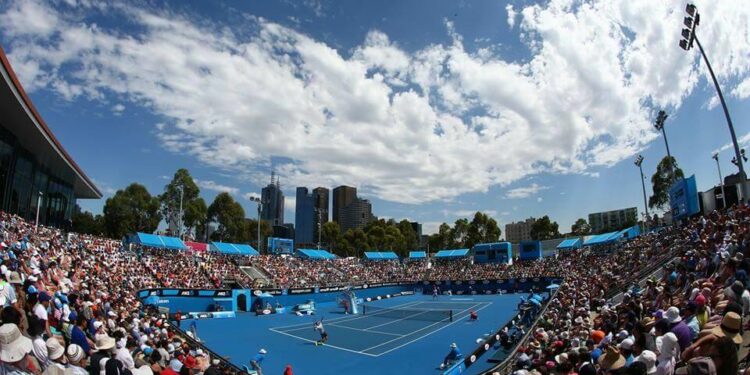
482,229
250,231
169,202
667,173
230,217
87,223
355,242
411,239
581,227
544,229
459,232
330,234
131,210
441,239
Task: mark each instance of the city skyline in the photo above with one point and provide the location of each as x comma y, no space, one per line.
422,141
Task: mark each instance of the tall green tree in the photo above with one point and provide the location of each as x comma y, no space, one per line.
250,231
411,239
442,239
130,210
230,217
482,229
330,235
667,173
580,227
355,242
459,232
182,188
544,229
85,222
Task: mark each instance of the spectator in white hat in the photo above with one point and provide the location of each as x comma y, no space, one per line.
57,357
14,352
76,360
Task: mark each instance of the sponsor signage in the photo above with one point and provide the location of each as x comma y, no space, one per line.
331,289
300,290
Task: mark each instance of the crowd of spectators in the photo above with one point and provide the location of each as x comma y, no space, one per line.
689,320
69,303
69,307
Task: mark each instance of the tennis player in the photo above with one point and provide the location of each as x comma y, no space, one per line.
318,326
434,292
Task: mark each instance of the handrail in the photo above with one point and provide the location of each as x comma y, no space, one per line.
503,366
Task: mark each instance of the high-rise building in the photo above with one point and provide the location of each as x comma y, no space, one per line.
356,214
320,205
273,202
519,231
342,197
613,220
303,217
417,227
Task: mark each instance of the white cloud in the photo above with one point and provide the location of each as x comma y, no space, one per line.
402,126
539,199
213,186
742,141
470,213
511,15
525,191
118,108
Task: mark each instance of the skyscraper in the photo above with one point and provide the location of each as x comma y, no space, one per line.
342,197
273,202
320,202
356,215
304,217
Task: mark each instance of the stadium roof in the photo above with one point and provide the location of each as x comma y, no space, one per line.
602,239
375,255
162,242
452,253
316,254
22,119
417,254
233,248
570,243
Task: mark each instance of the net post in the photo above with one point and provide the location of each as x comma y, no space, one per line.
451,314
364,309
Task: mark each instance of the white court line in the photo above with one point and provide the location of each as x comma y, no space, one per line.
487,304
365,330
348,318
408,317
328,345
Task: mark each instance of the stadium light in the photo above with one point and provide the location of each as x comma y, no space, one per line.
260,207
689,36
638,162
721,180
659,125
38,204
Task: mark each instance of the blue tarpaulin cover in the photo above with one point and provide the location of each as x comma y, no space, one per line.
233,248
162,242
452,253
417,254
316,254
375,255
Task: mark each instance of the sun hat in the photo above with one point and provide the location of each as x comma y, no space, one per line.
649,359
263,351
54,349
143,370
673,315
700,300
612,359
104,342
626,344
74,352
453,345
13,346
15,278
730,327
597,336
175,365
560,358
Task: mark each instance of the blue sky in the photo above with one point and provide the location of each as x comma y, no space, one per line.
434,110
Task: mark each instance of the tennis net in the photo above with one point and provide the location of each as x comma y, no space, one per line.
430,315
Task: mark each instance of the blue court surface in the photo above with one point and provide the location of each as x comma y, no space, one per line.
412,340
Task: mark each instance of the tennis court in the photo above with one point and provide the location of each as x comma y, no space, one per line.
412,339
383,331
